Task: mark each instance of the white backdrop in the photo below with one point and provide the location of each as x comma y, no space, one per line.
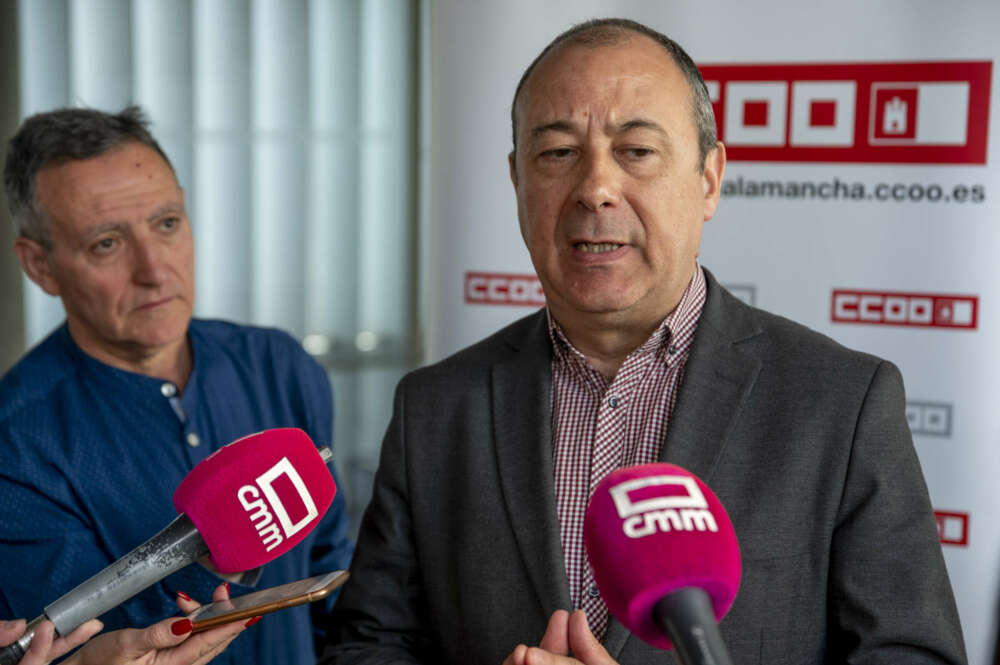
865,208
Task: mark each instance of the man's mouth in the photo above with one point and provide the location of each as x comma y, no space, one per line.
596,247
154,303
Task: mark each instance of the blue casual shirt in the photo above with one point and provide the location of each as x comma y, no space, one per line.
90,456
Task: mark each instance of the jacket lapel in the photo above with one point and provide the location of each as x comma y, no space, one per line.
717,379
522,422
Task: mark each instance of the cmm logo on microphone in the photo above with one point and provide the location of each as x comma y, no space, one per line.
281,487
661,504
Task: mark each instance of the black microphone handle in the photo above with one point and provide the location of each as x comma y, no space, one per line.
687,618
11,654
173,548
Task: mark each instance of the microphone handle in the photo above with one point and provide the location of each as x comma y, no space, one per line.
176,546
687,618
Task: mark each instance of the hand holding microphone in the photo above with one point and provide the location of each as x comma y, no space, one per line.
667,564
566,633
45,646
246,504
665,558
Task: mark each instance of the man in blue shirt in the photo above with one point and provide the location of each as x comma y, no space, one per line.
101,421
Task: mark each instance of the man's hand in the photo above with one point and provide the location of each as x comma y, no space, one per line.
168,642
45,646
565,633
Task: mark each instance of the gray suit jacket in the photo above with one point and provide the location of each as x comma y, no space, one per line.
805,443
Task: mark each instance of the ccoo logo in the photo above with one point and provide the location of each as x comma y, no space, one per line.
953,528
919,112
929,418
484,288
904,309
281,480
677,504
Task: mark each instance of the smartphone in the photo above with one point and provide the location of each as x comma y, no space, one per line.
266,600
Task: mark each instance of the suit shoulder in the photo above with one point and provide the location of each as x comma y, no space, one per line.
482,355
792,344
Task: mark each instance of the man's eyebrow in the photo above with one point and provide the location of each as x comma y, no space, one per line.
105,227
641,123
121,226
165,209
557,126
628,125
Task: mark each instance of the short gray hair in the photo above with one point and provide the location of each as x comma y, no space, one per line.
614,31
56,137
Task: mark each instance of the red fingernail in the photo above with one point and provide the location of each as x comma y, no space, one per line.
183,595
227,587
181,627
252,622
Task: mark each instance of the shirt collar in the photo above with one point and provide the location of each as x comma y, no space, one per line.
111,376
673,335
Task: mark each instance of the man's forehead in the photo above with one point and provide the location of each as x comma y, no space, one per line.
109,169
95,190
619,83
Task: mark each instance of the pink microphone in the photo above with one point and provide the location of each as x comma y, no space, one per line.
256,498
247,503
665,558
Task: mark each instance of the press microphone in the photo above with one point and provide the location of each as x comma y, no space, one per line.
665,558
244,505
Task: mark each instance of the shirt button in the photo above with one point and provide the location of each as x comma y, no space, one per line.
168,389
593,592
672,349
193,439
613,402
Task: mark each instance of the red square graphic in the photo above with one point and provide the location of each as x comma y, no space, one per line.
896,112
822,113
860,127
755,113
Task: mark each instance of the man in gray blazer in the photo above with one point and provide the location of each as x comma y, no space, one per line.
471,548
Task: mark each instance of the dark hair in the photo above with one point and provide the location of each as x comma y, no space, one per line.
55,137
614,31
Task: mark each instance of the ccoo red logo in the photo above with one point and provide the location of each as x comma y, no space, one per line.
904,309
484,288
953,528
918,112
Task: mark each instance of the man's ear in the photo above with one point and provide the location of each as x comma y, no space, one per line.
512,164
715,166
36,264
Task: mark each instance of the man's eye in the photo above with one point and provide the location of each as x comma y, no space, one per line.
638,153
103,246
557,153
170,223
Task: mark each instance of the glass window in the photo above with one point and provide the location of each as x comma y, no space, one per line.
292,125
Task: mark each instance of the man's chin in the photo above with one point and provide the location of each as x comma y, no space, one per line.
609,306
153,335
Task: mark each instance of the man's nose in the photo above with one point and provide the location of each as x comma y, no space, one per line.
150,266
600,182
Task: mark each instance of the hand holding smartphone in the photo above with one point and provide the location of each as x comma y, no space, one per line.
265,601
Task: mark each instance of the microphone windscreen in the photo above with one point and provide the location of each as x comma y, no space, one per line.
652,529
256,498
